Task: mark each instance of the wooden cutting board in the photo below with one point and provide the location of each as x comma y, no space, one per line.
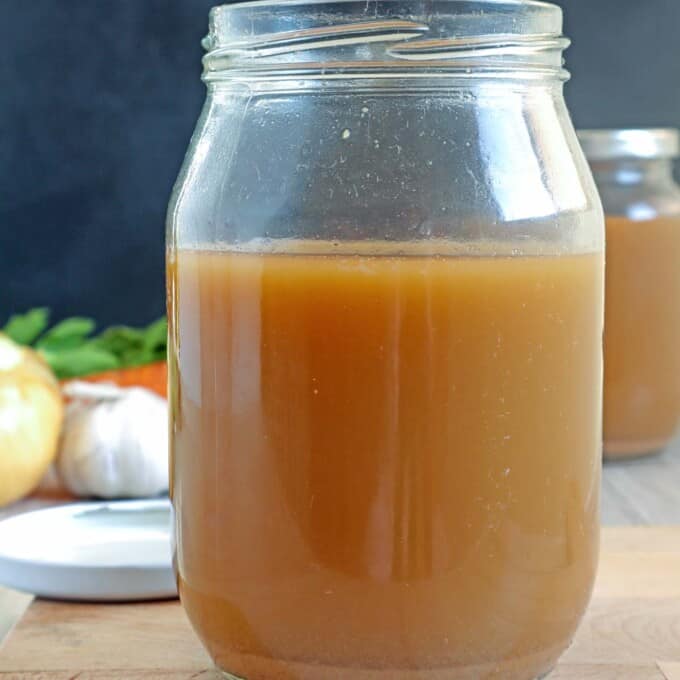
631,631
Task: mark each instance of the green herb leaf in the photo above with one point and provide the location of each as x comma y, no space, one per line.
120,340
135,347
80,361
25,328
156,339
69,334
71,351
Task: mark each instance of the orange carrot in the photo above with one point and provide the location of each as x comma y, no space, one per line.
153,377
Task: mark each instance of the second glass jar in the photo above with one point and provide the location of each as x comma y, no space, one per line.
634,173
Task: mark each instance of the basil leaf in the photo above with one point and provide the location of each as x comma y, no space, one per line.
156,339
25,328
80,361
141,358
120,340
68,334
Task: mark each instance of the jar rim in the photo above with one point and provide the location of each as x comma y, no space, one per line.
619,143
472,37
288,3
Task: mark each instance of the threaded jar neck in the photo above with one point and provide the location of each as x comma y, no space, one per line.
386,38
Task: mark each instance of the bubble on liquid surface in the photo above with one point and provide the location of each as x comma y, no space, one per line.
346,133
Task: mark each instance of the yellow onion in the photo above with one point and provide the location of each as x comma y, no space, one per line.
31,414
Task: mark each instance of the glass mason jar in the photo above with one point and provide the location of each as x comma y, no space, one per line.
634,172
385,267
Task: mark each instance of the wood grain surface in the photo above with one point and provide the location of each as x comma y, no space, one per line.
631,631
645,491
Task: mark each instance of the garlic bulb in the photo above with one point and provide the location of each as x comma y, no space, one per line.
114,442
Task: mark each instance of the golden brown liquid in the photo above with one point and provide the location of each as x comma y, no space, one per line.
385,467
642,335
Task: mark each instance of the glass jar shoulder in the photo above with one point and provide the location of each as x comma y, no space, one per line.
468,164
641,202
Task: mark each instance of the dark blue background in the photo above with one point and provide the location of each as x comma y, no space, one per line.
98,99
